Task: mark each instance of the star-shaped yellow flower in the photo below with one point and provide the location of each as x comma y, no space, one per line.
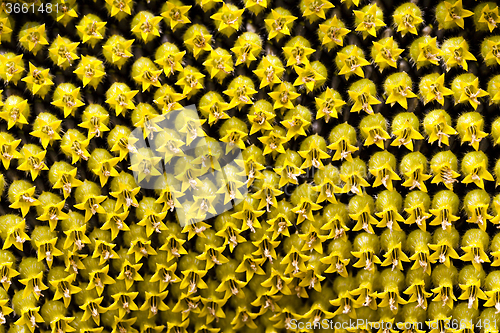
216,110
76,238
191,81
118,7
478,214
7,273
434,90
352,61
34,37
441,131
363,100
6,29
25,200
493,301
69,102
296,126
470,92
494,52
489,16
295,261
90,70
12,66
104,251
29,318
63,50
375,135
394,255
8,148
219,64
91,30
76,147
168,99
460,55
416,178
279,24
153,222
147,27
14,115
148,78
278,226
417,214
283,96
305,209
256,6
387,53
175,14
405,136
47,250
334,32
95,124
384,176
390,218
309,77
369,21
456,13
269,72
198,42
171,62
408,21
66,11
106,169
38,80
444,174
419,295
247,48
297,54
476,255
191,127
48,131
91,205
421,260
399,93
16,236
343,149
478,174
316,9
289,173
115,222
34,163
267,196
443,252
444,217
474,134
328,104
120,51
353,182
234,138
428,52
122,100
228,19
144,163
99,278
240,96
67,181
313,156
327,189
368,260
